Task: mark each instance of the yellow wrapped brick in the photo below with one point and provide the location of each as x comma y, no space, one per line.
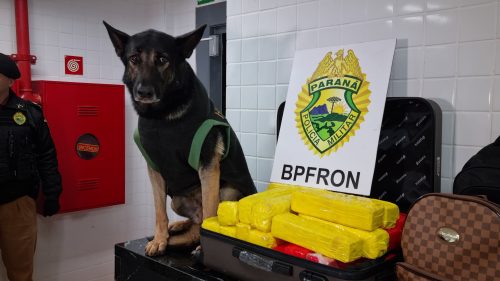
211,224
245,204
227,212
350,210
274,185
242,231
261,238
264,211
322,238
391,213
228,231
375,242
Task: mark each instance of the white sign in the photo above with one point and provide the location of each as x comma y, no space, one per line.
333,114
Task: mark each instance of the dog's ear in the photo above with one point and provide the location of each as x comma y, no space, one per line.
118,38
188,41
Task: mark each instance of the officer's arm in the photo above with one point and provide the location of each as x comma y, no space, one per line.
46,157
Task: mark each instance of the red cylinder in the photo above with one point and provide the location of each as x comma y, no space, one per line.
23,56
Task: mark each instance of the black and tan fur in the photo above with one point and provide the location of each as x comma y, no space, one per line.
164,87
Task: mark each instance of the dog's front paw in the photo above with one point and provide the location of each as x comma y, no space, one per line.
156,247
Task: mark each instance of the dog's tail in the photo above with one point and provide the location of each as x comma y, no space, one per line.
188,238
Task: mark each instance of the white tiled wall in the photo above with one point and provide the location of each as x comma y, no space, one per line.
447,50
79,246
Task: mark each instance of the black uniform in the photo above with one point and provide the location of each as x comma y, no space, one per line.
27,152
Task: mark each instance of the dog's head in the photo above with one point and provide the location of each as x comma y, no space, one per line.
155,68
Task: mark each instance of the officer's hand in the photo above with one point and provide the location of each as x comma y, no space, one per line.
50,207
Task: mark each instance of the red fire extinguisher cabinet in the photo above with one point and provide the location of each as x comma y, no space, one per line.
87,123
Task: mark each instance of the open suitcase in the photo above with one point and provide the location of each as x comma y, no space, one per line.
408,166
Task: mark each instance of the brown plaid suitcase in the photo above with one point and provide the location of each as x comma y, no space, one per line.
451,237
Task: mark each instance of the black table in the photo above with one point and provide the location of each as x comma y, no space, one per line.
132,264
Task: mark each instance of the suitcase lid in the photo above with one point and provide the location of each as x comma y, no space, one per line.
408,163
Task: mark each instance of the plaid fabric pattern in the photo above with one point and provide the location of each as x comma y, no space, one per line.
474,256
404,274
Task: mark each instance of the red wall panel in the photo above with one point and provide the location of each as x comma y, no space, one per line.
87,123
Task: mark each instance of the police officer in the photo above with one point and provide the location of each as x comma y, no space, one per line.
27,161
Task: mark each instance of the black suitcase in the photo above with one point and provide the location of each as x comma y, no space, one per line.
406,121
249,262
408,163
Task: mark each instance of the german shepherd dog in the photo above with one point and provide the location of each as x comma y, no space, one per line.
196,162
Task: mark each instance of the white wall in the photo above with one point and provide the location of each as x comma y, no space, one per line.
448,51
79,246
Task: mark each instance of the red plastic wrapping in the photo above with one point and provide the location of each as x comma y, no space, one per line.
293,250
395,233
319,258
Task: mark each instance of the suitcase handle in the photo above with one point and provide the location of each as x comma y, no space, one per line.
262,263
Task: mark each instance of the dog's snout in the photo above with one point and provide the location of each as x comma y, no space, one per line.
146,92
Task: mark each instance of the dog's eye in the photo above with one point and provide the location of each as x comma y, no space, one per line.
163,60
133,59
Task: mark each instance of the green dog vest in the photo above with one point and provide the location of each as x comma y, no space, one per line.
174,149
195,150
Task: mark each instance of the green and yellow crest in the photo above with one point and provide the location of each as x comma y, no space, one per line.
333,103
19,118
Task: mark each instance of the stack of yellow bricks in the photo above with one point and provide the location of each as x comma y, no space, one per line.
250,218
340,226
